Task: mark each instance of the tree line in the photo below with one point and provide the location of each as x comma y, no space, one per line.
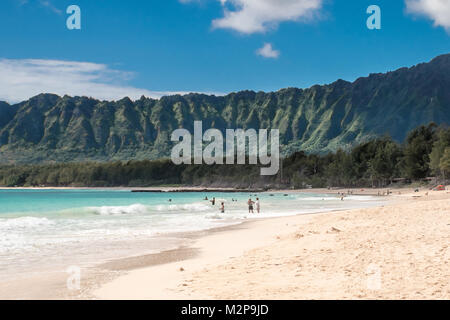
378,162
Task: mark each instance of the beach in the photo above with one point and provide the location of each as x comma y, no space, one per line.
397,251
392,248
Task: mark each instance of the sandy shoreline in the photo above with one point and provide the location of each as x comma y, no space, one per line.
330,255
397,251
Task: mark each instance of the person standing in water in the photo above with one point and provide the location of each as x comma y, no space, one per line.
213,201
250,205
258,206
222,208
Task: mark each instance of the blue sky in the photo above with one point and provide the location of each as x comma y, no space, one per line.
156,47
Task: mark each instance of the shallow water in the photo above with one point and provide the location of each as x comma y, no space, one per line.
45,229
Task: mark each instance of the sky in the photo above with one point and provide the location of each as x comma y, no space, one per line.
158,47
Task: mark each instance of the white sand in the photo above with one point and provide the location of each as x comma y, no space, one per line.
400,251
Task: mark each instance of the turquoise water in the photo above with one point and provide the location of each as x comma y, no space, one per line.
41,229
43,202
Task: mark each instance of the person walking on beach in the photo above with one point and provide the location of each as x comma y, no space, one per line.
222,208
250,205
258,205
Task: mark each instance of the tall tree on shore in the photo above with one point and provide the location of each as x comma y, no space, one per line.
445,163
383,166
439,147
416,160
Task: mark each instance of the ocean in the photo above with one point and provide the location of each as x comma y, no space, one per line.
44,230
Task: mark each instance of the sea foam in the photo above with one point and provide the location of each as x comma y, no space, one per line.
120,210
24,223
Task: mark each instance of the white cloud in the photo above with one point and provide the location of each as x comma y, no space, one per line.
252,16
436,10
43,3
267,51
22,79
50,6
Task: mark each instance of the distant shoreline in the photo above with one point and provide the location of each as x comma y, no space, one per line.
353,191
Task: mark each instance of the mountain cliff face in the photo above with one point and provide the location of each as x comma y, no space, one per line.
319,119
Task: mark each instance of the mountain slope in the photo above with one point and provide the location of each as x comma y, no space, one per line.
319,119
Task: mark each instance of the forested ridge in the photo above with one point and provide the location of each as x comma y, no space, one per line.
425,152
320,119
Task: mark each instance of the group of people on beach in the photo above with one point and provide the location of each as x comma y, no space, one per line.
251,204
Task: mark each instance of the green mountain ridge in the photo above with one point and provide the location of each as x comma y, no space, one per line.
316,120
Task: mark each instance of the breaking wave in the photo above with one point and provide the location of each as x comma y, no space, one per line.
24,223
194,207
120,210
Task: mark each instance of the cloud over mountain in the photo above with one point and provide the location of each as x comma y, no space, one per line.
21,79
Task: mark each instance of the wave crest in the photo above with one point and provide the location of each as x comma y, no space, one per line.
139,209
24,223
120,210
195,207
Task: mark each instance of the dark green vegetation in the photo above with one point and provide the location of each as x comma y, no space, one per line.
320,119
425,152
